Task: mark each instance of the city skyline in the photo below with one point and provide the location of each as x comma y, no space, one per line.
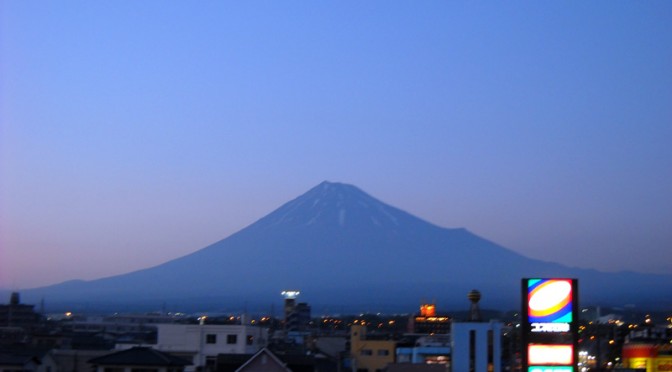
135,133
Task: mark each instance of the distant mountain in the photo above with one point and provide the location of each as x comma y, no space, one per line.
347,251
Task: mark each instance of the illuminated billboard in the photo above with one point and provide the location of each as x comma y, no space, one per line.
561,355
549,300
549,324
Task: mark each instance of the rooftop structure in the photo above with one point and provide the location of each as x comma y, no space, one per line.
291,294
474,311
428,321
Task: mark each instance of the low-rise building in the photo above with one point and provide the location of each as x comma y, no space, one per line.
648,349
426,350
14,363
201,343
27,359
139,359
367,354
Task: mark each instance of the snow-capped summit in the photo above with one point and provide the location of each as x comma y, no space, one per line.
337,205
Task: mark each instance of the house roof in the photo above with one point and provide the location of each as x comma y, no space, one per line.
21,354
139,356
17,360
264,351
293,362
25,350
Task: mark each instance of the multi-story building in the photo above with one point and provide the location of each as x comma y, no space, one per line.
203,342
367,354
649,357
648,348
17,321
426,350
298,318
476,346
16,314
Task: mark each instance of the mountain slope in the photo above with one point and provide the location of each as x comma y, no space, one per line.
343,248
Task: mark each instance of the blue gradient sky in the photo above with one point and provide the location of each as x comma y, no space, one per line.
132,133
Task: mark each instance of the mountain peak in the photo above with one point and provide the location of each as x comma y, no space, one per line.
335,204
327,187
337,190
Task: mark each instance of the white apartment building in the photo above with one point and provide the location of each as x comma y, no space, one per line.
202,343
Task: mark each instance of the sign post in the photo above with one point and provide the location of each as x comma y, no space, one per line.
550,324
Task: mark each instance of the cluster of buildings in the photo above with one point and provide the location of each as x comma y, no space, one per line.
296,341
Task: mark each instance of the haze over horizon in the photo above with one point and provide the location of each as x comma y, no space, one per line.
135,133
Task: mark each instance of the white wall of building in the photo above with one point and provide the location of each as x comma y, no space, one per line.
211,339
208,340
462,333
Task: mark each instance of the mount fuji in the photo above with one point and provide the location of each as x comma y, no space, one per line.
347,251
